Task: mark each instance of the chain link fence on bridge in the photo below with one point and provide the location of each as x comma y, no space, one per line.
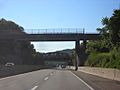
55,31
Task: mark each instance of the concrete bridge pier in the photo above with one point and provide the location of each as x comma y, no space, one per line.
77,47
80,53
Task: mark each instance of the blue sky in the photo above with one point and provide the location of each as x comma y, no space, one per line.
37,14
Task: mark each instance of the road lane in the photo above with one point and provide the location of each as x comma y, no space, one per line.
51,79
63,80
24,81
98,83
82,81
48,79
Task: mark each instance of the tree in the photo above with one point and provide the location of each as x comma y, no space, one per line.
18,52
114,26
10,26
111,29
105,52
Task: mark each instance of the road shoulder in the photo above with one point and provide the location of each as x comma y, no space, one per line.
98,83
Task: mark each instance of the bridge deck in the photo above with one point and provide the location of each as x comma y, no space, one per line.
51,37
62,37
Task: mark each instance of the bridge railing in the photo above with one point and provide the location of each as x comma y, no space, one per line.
54,31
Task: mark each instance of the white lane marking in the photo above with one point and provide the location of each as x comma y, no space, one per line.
82,81
46,78
34,88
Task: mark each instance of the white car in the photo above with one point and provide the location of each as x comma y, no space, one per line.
9,64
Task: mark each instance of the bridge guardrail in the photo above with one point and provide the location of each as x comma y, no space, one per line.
49,31
54,31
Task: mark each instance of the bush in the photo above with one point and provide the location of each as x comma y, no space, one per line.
107,60
98,59
115,58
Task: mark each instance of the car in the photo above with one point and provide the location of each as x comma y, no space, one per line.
9,64
63,66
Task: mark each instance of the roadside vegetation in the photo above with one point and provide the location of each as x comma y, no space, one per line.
106,51
23,52
17,52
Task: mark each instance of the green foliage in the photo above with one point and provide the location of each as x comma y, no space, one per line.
107,60
111,28
97,46
106,52
115,58
98,59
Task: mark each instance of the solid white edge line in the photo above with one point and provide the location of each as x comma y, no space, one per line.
35,87
46,78
82,81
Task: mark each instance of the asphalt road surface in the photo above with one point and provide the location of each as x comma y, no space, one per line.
48,79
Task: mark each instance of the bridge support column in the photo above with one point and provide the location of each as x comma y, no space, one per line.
77,47
80,55
84,44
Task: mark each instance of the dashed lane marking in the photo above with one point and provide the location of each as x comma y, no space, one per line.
34,88
46,78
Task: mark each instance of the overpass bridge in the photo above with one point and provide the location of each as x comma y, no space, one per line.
66,34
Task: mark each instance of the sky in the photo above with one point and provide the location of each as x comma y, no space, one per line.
42,14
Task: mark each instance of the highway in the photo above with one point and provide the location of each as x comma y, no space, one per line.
43,80
48,79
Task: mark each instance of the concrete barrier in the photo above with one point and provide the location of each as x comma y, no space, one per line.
113,74
117,75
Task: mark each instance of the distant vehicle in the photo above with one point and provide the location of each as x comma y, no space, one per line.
63,66
9,64
57,65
